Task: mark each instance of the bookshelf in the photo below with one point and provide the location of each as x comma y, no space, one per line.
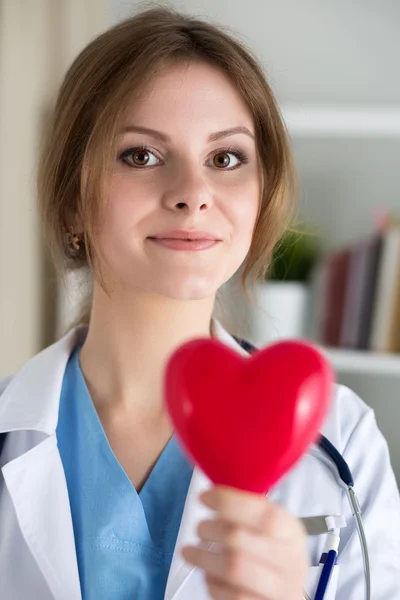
364,362
346,157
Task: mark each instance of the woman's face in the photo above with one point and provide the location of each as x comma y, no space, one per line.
178,176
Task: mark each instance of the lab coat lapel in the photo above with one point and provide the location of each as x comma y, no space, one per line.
193,513
33,474
37,487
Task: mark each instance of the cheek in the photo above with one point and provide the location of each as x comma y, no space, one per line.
125,207
244,205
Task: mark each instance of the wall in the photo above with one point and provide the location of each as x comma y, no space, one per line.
37,42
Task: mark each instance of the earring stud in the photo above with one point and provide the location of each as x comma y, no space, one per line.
74,240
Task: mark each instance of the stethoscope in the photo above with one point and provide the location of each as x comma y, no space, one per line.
328,558
337,463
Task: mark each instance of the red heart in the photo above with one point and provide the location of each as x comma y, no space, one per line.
245,421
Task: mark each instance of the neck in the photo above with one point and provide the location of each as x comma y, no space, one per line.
129,341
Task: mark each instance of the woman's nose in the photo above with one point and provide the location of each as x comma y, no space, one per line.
188,187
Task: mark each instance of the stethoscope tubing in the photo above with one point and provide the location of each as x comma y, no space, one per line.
347,481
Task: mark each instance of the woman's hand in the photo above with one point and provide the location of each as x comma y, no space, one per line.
262,553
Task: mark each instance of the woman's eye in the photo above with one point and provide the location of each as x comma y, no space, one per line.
225,160
139,157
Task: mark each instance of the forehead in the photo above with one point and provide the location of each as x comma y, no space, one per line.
192,96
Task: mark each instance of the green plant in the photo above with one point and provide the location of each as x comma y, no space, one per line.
294,255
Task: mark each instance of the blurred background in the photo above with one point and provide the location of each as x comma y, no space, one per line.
333,66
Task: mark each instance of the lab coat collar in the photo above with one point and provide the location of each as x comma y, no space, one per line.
42,376
31,399
41,380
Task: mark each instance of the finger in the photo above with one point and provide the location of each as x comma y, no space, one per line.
235,538
221,591
237,570
253,511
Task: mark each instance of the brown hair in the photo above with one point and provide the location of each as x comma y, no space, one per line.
76,163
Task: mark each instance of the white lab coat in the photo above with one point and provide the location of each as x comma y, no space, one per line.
37,551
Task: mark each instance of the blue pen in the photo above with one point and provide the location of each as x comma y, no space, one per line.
328,560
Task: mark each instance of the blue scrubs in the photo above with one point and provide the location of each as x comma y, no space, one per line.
124,540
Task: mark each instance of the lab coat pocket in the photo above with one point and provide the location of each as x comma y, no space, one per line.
312,582
195,587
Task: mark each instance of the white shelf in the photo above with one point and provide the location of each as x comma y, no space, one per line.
358,361
317,121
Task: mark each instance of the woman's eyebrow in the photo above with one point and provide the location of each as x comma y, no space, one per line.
166,138
232,131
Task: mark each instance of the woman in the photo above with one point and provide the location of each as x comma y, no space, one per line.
165,123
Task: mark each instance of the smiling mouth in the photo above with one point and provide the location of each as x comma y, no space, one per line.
185,244
183,239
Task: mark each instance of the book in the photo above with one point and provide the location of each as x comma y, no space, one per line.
362,274
338,265
350,326
385,309
373,250
394,343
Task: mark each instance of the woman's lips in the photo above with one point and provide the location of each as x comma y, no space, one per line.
186,245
